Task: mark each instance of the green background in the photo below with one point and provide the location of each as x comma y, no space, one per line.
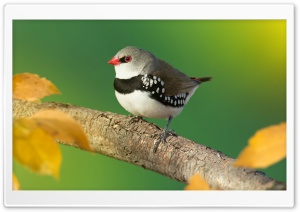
246,58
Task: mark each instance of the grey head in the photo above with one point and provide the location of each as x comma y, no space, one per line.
135,61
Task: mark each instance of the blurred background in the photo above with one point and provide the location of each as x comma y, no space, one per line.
246,58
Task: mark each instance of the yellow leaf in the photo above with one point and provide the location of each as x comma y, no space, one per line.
15,183
31,87
196,182
61,126
266,147
34,148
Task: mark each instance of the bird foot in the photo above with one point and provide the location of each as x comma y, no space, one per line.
172,132
163,137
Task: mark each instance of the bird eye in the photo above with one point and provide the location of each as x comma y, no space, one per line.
127,59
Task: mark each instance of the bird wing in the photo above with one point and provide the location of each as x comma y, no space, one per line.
175,82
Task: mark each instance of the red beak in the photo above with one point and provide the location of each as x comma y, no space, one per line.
114,61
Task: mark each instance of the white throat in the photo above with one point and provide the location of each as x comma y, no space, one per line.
122,72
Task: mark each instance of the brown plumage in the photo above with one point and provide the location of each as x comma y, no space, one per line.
175,81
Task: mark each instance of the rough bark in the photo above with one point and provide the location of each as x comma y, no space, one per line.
132,140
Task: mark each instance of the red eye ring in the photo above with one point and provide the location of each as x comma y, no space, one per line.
127,59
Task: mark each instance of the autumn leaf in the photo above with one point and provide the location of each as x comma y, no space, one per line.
266,147
196,182
15,183
61,126
31,87
34,148
34,140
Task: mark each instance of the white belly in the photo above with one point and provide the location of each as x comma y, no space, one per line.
140,104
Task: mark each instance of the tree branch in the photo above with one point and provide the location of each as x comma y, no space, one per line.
124,138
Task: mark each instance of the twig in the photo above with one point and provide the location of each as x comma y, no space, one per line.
129,140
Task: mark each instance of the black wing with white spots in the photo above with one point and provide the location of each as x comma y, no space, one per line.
151,84
155,87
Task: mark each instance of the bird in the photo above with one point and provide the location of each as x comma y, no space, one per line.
147,86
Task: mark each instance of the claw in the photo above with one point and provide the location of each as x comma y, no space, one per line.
164,135
172,132
162,138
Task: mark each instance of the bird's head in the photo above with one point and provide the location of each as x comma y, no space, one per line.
132,61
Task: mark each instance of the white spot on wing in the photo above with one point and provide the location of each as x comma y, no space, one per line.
151,82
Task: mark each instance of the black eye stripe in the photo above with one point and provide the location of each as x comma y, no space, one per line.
122,60
125,59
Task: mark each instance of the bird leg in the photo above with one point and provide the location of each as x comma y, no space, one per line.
164,135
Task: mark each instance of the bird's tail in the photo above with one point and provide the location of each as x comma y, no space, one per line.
202,79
